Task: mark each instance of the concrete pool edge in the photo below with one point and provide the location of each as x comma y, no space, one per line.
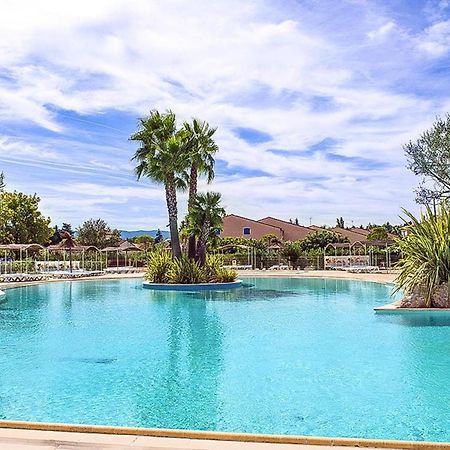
222,436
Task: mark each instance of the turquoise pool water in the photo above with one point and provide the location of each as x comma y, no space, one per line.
290,356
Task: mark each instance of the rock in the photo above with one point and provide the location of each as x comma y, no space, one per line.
416,298
440,297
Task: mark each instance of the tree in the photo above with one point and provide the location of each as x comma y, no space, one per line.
292,251
159,237
377,233
202,149
2,182
429,157
320,239
163,158
21,222
205,219
340,222
145,241
96,232
67,228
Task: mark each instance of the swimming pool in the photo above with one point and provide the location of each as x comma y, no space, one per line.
287,356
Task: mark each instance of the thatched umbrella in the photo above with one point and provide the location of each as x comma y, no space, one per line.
67,243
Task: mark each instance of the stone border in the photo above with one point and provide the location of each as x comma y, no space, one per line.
224,436
192,287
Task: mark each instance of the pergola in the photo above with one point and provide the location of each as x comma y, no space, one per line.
251,252
381,243
124,247
21,248
82,249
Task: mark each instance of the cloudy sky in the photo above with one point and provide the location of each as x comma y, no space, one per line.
312,99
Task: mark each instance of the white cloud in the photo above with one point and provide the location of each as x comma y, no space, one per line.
136,55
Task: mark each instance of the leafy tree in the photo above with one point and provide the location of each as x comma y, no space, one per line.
205,218
292,251
320,239
377,233
97,232
21,222
2,182
201,150
163,157
429,157
146,241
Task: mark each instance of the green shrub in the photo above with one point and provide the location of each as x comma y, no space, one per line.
425,262
224,275
159,264
214,272
185,271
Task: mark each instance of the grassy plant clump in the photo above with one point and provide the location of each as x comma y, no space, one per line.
425,263
185,271
159,264
225,275
215,272
162,268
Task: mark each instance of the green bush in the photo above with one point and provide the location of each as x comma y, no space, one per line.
425,262
158,267
185,271
162,268
214,272
224,275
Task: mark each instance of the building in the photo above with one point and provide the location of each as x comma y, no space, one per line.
291,231
238,226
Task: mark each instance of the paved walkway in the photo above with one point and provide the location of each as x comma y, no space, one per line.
13,439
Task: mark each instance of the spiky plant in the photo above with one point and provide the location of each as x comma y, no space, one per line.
425,262
185,271
159,263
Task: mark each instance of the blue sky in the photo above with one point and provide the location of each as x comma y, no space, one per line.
312,99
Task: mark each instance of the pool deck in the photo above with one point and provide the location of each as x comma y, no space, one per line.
31,439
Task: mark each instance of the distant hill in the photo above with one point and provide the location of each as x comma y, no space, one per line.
124,234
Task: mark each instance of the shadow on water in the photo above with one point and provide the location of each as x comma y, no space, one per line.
432,319
89,360
251,294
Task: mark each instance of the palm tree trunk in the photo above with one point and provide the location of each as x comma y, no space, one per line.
192,192
202,241
171,200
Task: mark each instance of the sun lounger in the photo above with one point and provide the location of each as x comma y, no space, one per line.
22,277
239,267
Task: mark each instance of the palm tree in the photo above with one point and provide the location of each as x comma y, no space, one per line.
163,157
205,218
202,162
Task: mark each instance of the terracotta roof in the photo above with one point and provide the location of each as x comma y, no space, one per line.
252,220
284,222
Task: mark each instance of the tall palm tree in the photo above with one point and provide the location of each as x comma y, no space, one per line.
205,218
163,157
202,162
